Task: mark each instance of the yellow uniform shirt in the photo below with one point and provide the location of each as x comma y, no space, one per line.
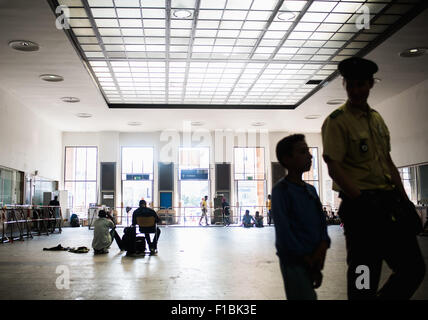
360,142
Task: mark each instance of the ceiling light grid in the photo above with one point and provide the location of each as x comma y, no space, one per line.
317,37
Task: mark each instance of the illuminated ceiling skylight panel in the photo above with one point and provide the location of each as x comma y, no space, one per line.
83,32
238,4
314,17
94,55
319,57
357,44
91,47
334,44
175,24
292,5
87,40
151,13
329,27
210,14
322,6
127,3
348,7
337,17
295,35
230,24
304,26
110,32
75,23
180,32
259,15
342,36
234,15
104,12
204,24
114,40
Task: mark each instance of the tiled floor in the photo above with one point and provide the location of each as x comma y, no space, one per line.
193,263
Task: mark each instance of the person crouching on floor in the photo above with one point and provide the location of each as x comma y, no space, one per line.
103,237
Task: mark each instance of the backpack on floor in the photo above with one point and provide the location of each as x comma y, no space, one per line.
140,244
74,220
128,239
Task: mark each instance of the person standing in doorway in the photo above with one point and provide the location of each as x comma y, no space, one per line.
269,209
377,215
204,210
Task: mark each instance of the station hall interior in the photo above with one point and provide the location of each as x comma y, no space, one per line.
104,103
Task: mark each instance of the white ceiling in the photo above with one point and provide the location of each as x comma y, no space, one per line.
34,20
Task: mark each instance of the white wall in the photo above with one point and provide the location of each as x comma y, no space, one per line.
110,143
406,116
27,142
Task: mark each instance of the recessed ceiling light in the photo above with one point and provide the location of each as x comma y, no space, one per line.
24,45
286,16
258,124
197,123
70,99
51,77
182,13
336,101
413,52
313,116
84,115
134,123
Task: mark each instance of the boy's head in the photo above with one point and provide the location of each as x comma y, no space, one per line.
206,197
269,196
292,153
102,214
247,211
143,203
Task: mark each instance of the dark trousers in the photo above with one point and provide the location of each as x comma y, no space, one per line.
153,244
115,236
269,217
372,236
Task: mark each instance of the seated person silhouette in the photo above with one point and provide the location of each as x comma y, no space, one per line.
103,237
246,220
259,220
144,211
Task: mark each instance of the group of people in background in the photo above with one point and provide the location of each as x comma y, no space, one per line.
105,232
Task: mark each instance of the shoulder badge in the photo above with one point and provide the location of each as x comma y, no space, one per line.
336,113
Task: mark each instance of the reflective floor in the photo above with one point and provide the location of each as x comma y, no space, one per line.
193,263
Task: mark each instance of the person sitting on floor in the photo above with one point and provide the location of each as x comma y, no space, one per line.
246,220
103,237
143,211
259,220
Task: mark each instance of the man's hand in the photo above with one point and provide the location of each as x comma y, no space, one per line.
317,258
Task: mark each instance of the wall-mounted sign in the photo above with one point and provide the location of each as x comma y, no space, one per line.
194,174
137,177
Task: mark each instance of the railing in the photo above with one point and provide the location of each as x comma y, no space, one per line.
180,216
23,221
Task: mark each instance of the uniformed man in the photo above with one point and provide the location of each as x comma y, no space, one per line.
375,206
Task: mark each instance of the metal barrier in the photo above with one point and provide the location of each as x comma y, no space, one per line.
23,221
179,216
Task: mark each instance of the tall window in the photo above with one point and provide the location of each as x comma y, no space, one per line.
312,176
137,175
408,177
250,178
81,177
